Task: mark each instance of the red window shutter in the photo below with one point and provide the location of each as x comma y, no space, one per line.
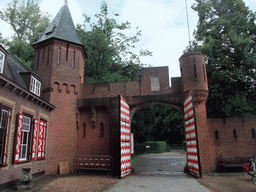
44,136
34,139
40,140
6,138
18,139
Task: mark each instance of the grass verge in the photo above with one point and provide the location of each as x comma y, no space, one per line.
135,160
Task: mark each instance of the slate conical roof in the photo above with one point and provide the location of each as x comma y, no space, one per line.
62,27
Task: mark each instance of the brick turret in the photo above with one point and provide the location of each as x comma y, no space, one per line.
194,77
193,73
59,61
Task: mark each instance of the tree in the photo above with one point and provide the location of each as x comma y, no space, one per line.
142,125
168,125
109,50
28,24
2,40
158,123
226,35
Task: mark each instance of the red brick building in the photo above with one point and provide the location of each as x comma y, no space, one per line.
24,119
50,115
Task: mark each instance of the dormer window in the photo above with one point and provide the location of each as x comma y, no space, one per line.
2,59
35,86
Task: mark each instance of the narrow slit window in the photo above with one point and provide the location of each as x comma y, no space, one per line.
84,130
43,53
67,53
73,62
38,59
235,133
59,56
216,134
48,56
253,133
101,130
204,73
195,71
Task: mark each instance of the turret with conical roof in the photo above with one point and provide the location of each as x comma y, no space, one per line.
62,27
59,51
59,61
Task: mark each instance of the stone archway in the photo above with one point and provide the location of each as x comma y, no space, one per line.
137,94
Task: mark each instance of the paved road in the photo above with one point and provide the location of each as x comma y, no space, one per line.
159,173
140,183
167,164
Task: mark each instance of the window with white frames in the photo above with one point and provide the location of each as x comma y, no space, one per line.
4,123
35,86
25,138
2,59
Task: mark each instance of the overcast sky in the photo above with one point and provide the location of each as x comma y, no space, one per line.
163,24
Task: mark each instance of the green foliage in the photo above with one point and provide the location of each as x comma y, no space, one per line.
226,35
142,124
176,147
139,148
134,161
2,40
28,23
156,146
158,123
109,50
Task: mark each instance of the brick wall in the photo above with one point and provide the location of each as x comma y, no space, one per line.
61,143
17,103
107,111
226,143
203,137
62,75
90,140
149,85
134,88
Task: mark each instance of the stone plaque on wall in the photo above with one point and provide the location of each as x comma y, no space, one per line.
155,86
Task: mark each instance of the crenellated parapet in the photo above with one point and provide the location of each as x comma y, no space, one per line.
154,81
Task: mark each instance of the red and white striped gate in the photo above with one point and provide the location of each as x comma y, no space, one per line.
193,160
125,138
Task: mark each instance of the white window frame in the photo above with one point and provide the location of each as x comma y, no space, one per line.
2,61
25,144
35,86
3,125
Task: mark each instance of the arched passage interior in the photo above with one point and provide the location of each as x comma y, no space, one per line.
159,122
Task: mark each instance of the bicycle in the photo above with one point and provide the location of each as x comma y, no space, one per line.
250,171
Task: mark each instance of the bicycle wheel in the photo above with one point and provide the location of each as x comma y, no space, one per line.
254,179
249,176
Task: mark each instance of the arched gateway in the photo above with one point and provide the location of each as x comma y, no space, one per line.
102,102
78,118
86,120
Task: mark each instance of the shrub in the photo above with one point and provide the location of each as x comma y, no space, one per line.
156,146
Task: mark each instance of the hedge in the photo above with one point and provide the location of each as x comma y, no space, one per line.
153,147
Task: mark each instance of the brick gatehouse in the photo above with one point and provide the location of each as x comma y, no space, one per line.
50,115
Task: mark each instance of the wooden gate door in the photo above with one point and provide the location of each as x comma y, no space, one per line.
193,160
125,138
